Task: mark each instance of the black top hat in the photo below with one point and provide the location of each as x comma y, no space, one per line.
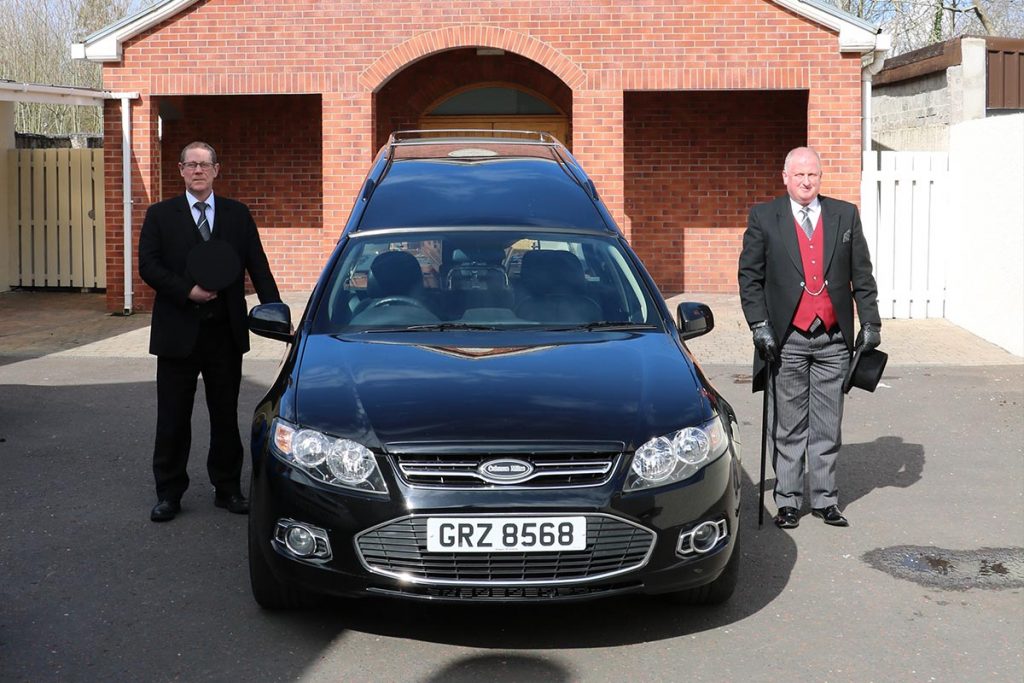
213,264
865,370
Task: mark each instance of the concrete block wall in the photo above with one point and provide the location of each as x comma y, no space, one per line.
916,115
346,53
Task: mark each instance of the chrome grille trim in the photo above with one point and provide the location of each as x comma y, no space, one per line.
398,549
458,465
433,471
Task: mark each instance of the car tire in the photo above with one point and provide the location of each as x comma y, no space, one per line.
266,589
719,590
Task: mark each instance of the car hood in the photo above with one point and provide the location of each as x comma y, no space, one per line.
604,386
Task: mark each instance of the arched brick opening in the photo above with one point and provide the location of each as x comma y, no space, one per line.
407,95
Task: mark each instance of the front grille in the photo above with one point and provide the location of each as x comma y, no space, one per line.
461,466
399,549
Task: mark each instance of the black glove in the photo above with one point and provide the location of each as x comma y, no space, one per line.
764,341
870,337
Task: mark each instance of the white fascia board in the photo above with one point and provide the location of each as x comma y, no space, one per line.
11,91
49,94
855,35
105,44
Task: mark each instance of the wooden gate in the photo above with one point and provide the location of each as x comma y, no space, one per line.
55,215
904,208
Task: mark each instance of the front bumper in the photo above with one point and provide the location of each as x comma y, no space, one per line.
378,543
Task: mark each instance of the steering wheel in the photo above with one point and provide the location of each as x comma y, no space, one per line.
397,300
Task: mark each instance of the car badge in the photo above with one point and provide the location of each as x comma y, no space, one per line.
505,470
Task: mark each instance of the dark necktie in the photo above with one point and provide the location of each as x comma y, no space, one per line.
204,225
805,221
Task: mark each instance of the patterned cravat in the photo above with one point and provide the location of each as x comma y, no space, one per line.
204,225
805,221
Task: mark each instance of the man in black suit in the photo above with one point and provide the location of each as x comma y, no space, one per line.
197,331
803,264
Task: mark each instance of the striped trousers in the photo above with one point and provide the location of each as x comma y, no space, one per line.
807,395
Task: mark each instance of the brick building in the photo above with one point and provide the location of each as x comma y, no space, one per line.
680,111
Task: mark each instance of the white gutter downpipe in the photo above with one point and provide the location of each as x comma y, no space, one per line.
126,172
871,64
866,112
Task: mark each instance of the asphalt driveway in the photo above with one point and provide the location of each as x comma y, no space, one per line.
925,584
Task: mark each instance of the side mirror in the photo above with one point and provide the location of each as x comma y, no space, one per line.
694,319
273,321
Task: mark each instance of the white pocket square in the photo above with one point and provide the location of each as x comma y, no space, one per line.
847,236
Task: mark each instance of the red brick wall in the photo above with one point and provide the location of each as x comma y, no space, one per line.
694,164
360,57
269,150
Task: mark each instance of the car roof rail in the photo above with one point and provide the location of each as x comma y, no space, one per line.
432,136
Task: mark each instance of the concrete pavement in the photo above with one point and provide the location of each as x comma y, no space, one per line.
34,324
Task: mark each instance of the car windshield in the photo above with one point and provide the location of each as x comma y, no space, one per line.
483,280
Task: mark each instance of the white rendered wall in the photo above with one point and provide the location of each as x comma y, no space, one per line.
985,273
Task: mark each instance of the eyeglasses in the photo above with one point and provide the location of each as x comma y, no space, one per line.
193,165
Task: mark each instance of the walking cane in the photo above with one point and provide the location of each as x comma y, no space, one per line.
764,439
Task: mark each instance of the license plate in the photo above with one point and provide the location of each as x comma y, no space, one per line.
505,534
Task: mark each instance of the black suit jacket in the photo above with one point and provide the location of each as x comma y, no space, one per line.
168,234
771,272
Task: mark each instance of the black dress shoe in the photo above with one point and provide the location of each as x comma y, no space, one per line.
232,502
165,511
788,518
831,515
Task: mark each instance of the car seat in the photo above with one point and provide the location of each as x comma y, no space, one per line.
555,289
392,273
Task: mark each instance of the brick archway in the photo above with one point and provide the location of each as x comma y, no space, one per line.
402,102
397,58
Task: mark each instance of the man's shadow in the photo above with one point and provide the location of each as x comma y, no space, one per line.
886,461
864,467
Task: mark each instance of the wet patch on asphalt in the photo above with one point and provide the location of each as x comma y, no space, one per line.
956,570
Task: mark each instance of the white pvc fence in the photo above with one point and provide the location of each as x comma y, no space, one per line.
905,210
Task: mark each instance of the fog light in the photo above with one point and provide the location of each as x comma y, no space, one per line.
300,541
702,538
705,537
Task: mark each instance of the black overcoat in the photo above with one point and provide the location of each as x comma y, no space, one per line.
168,234
771,273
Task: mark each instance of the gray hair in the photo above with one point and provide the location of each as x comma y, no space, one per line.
199,145
792,152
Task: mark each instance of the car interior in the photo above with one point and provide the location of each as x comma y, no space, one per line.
521,282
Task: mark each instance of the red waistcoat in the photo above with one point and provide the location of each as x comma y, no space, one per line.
815,301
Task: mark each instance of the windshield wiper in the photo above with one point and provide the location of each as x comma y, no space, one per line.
432,327
606,325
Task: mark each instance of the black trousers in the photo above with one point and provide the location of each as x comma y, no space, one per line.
219,362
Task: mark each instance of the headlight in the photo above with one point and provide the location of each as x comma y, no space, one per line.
676,456
340,462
